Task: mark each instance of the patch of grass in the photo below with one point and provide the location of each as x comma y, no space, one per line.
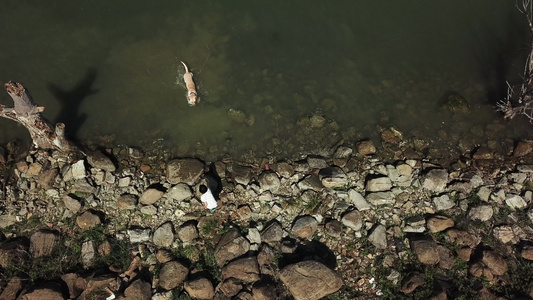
312,206
209,226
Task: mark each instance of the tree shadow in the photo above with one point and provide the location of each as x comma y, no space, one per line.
71,100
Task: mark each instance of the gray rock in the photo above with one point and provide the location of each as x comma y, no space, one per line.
333,177
254,236
304,227
230,287
525,168
378,237
179,192
311,182
484,193
333,228
139,235
515,202
71,204
358,200
150,196
200,288
284,169
415,224
443,202
316,163
269,181
164,235
244,269
310,280
505,234
481,213
138,290
172,274
231,246
381,198
87,254
188,231
100,161
435,180
149,210
366,148
353,220
241,174
187,170
378,184
78,169
42,243
126,202
273,233
7,220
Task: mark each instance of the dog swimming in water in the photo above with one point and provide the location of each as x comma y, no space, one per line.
192,95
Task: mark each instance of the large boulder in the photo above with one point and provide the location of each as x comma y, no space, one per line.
186,170
308,280
231,246
172,274
244,269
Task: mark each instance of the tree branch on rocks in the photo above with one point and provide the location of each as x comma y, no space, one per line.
27,113
523,104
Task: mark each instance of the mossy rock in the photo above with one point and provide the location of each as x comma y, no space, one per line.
457,104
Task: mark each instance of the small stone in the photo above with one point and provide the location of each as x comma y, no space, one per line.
439,223
150,196
7,220
244,269
269,181
515,202
443,202
522,148
78,169
304,227
505,234
145,168
126,202
333,228
481,213
381,198
484,193
34,169
139,235
100,161
483,153
378,237
435,180
358,200
71,204
284,169
88,220
87,254
353,220
273,233
124,181
365,148
149,210
527,252
378,184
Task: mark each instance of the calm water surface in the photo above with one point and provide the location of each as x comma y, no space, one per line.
110,70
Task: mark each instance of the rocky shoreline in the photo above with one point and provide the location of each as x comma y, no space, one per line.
365,223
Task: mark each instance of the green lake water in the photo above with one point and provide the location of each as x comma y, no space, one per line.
111,71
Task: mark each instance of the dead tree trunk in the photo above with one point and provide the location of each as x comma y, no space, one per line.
522,104
27,113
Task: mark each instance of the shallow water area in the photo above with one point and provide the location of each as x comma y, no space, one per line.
111,71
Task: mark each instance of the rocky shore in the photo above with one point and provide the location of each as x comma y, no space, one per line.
365,223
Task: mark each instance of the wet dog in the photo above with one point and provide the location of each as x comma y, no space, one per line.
192,95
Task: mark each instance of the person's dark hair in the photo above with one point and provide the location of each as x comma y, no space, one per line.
203,189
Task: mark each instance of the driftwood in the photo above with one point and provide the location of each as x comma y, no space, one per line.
521,104
27,113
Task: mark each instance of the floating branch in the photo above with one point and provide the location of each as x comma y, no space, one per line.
27,113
